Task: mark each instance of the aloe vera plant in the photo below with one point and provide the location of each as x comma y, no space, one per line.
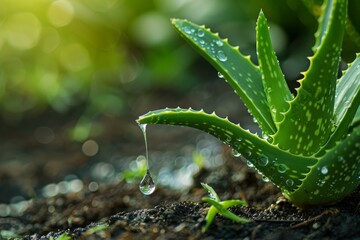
310,144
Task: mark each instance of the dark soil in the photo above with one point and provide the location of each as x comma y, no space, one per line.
168,214
118,210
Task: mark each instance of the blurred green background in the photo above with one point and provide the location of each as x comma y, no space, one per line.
97,56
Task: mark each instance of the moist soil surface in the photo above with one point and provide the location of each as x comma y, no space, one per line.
118,210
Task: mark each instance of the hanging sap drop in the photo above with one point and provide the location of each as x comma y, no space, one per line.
147,184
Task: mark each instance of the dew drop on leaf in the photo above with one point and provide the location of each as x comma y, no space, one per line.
289,182
269,139
187,29
263,160
265,179
219,43
249,164
200,33
220,75
221,56
236,153
281,168
324,170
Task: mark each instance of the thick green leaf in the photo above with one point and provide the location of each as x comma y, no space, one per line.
324,22
309,122
276,89
268,159
347,100
356,120
334,176
243,76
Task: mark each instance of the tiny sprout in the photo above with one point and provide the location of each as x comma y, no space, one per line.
220,207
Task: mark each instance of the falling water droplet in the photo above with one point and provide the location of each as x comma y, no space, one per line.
221,56
147,184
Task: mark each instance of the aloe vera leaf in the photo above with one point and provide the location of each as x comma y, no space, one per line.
308,123
356,120
324,21
335,175
276,89
267,158
211,191
347,100
242,75
347,97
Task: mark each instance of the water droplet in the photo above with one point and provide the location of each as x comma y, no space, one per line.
249,164
347,104
220,75
263,160
265,179
324,170
269,139
248,153
202,42
289,182
219,43
221,56
200,33
147,184
236,153
187,29
281,168
228,140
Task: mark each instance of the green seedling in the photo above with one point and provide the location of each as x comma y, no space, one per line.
220,207
310,144
63,236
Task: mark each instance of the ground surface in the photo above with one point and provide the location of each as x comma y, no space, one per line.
99,205
125,213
